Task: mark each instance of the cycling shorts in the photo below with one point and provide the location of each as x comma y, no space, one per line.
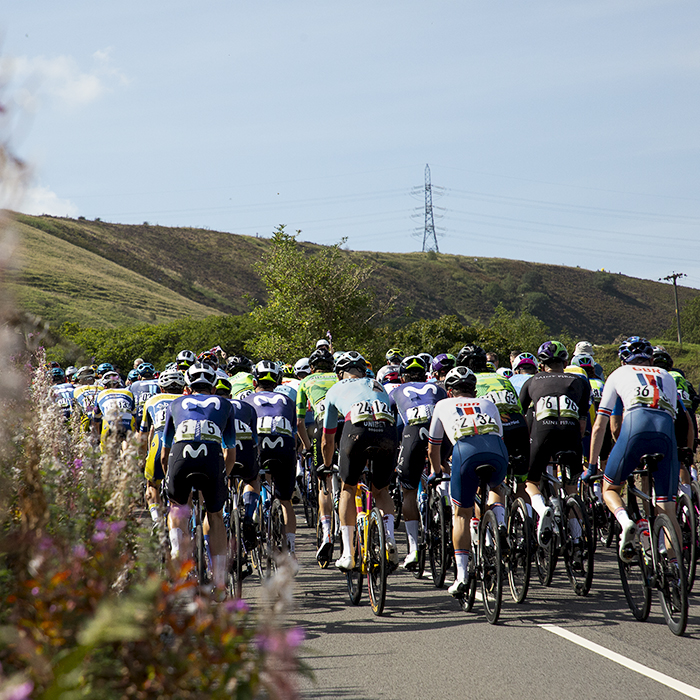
516,437
469,453
247,457
413,449
205,459
279,456
545,444
646,431
154,469
374,440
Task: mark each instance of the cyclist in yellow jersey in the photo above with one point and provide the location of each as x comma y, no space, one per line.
84,396
313,390
115,408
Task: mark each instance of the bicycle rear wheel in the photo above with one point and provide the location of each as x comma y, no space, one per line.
545,559
319,539
685,512
491,566
397,497
234,560
377,562
355,576
673,587
518,559
277,543
578,547
437,538
422,545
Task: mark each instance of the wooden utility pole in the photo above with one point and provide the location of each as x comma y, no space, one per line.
673,278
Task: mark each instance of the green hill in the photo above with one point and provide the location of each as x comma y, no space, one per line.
105,274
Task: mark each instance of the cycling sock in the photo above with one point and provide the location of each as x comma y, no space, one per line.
500,512
250,501
326,526
389,527
175,541
291,539
412,527
685,488
347,532
218,565
462,560
622,517
153,510
538,504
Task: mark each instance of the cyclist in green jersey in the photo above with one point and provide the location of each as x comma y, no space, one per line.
240,370
312,390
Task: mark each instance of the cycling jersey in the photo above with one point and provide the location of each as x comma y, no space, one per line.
63,396
639,387
499,390
462,417
154,412
116,408
313,390
84,397
241,385
246,439
683,387
359,400
287,390
142,391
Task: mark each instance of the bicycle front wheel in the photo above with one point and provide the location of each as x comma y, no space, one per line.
234,559
355,576
277,542
670,573
437,538
518,559
491,566
579,549
685,511
376,562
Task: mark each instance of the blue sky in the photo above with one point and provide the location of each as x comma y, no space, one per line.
561,132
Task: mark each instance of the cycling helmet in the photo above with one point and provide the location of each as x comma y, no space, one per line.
238,363
552,351
111,380
413,365
58,375
505,372
350,360
661,358
104,367
323,343
525,358
54,365
302,367
389,374
321,359
185,359
288,370
634,349
223,387
70,371
85,375
393,356
336,355
133,375
267,371
171,378
200,374
146,370
583,360
444,362
209,358
462,378
490,366
575,369
427,358
472,356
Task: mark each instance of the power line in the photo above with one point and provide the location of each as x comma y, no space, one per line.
429,236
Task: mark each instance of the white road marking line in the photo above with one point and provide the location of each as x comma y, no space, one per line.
657,676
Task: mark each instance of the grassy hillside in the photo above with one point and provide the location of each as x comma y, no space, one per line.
214,270
60,281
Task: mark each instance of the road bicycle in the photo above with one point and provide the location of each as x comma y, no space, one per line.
572,536
485,564
196,524
237,564
653,561
335,519
272,534
687,513
308,487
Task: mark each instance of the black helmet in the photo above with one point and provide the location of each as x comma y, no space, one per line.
350,360
222,384
661,358
472,356
461,377
413,365
239,363
321,358
634,349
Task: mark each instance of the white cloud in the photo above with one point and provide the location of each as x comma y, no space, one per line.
42,200
63,79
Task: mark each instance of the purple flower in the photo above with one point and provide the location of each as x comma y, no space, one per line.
100,525
19,692
79,551
99,536
117,526
35,590
295,637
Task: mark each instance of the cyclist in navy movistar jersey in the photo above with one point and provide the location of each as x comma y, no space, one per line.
197,427
142,389
369,433
277,432
62,391
415,399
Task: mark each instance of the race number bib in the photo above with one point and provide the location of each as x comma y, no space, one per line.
274,425
198,430
474,424
505,400
556,407
243,431
418,415
320,410
376,410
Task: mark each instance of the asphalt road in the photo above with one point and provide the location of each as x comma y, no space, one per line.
425,647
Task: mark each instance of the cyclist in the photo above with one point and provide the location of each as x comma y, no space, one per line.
288,383
62,391
313,390
240,369
84,395
415,400
115,408
492,357
145,387
585,348
442,364
369,432
70,374
171,384
499,390
393,356
302,368
558,403
185,359
388,377
648,396
199,438
474,428
524,365
102,369
276,425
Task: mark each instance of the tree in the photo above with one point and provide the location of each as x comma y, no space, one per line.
310,294
524,333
